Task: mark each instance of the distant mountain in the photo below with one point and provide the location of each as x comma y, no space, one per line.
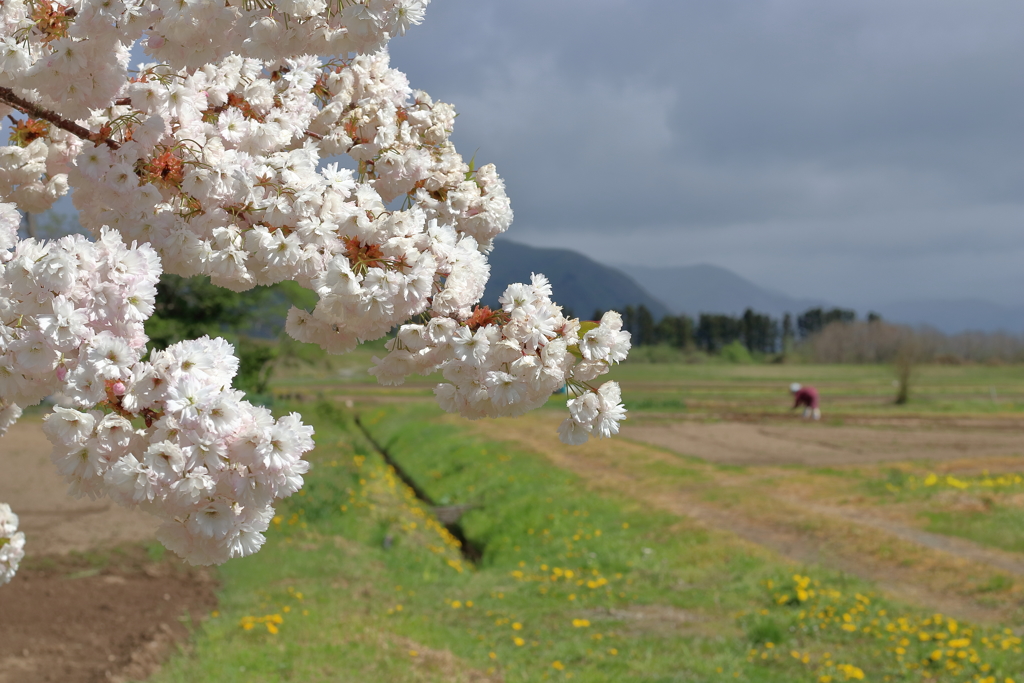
711,289
579,283
957,316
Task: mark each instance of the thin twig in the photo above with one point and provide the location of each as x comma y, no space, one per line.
7,96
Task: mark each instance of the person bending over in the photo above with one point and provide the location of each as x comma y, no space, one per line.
806,397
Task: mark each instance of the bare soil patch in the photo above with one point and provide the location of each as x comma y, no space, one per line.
822,445
431,663
88,604
92,619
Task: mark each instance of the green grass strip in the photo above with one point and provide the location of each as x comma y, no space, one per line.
358,582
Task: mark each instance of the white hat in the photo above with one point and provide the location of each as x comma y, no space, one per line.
794,387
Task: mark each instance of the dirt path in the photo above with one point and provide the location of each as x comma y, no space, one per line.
822,445
1011,563
934,571
76,621
54,522
89,605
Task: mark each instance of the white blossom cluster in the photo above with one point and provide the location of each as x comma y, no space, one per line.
235,190
35,176
74,55
168,434
71,315
12,544
219,160
207,462
508,362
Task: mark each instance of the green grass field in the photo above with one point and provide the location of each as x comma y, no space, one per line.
717,388
359,582
855,390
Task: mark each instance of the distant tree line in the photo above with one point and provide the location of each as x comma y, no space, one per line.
711,332
819,335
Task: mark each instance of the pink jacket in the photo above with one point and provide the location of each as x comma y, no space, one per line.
807,396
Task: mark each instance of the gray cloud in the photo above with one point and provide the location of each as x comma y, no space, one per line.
875,146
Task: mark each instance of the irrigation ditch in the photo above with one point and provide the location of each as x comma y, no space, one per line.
448,515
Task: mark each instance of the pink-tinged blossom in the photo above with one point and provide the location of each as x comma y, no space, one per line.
179,466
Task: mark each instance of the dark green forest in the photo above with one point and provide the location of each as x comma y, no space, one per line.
712,332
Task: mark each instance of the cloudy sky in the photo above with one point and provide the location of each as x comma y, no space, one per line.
861,152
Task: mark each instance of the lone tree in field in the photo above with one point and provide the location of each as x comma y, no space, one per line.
211,160
906,356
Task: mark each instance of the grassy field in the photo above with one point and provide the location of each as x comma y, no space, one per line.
986,507
719,389
846,390
579,581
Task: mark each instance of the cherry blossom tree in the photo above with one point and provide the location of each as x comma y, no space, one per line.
216,159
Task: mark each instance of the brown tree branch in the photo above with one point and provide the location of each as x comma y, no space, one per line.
7,96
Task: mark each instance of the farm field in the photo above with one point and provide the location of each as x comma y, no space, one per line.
720,538
718,390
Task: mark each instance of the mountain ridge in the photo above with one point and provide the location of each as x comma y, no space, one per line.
577,281
583,285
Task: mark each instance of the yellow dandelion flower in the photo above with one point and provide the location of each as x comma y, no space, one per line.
580,623
612,651
557,665
518,641
851,672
